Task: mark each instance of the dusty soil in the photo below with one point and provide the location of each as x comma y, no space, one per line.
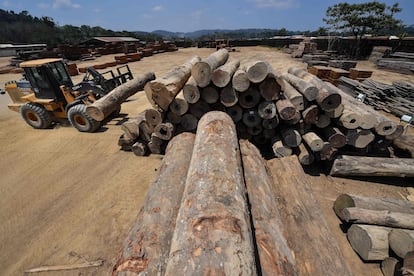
63,191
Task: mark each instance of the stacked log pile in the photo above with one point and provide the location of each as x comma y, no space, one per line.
399,62
382,230
397,99
304,47
234,226
294,113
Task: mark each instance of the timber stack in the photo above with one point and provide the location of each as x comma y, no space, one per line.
282,114
381,230
235,226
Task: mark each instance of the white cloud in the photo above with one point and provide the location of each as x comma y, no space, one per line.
280,4
157,8
64,4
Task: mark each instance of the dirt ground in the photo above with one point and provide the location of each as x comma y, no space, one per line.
66,192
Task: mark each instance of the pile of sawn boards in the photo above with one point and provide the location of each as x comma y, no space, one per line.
294,113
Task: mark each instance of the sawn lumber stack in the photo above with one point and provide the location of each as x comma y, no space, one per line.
282,114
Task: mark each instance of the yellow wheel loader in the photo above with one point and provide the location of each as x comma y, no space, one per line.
47,93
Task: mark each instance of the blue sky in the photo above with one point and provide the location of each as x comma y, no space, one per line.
189,15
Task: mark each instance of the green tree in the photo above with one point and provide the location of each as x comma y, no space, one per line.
359,19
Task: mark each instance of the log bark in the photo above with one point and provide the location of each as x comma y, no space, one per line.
380,204
148,244
212,234
381,218
369,241
202,70
314,142
372,166
131,127
103,107
190,91
162,91
229,96
309,91
235,112
249,98
222,76
401,241
391,267
267,110
179,105
256,70
286,109
240,81
292,94
275,256
334,136
306,229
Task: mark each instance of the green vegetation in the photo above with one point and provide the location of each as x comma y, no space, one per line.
373,18
24,28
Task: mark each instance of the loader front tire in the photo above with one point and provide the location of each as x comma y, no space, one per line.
36,115
80,120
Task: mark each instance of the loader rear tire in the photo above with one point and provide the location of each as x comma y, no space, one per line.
36,115
80,120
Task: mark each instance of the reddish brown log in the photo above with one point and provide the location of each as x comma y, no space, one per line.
274,254
148,244
212,234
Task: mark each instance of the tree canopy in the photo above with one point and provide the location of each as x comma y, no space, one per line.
372,17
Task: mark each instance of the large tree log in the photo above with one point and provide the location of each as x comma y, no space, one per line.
251,118
408,264
235,112
209,94
139,148
103,107
212,235
310,114
199,108
359,138
306,229
256,70
309,91
222,76
287,111
401,241
202,70
382,218
189,122
270,123
391,267
347,200
270,87
292,94
162,91
240,81
369,241
275,256
280,149
406,143
267,110
291,137
228,96
372,166
304,155
148,244
164,131
314,142
191,91
334,136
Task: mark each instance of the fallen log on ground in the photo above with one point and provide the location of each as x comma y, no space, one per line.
274,254
401,241
369,241
372,166
306,229
213,235
103,107
148,244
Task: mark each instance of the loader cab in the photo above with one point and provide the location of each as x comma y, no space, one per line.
46,76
